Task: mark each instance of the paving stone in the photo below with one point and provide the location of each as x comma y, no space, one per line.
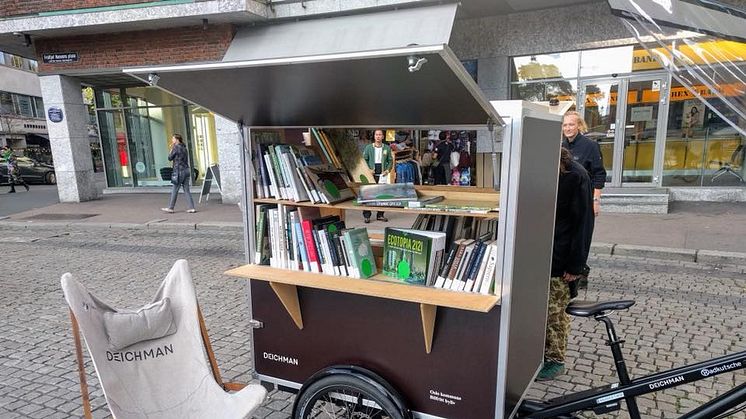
685,313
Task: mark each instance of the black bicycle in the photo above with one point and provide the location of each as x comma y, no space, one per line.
608,398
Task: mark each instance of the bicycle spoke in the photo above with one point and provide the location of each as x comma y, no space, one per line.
345,403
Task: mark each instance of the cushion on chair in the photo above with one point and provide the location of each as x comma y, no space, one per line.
153,321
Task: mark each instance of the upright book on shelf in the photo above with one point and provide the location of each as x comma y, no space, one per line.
410,255
360,252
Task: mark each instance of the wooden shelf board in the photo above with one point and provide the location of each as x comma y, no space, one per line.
350,205
377,286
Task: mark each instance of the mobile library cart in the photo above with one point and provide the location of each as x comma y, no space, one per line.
379,348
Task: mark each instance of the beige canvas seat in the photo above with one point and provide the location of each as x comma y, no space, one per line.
155,362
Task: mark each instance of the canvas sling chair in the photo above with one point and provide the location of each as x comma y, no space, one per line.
155,362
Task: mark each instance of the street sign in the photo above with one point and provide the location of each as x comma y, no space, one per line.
60,57
55,114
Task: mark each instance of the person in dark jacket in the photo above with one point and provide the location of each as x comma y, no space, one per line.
572,235
586,152
443,156
182,174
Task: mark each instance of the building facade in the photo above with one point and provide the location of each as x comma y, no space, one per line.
531,51
23,126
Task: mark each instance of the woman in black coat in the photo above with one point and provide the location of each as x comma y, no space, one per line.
181,174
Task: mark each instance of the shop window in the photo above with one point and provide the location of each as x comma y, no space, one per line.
136,125
150,96
543,91
701,148
114,148
548,66
94,139
205,150
108,98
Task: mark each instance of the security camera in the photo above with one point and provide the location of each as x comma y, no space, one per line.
415,63
153,79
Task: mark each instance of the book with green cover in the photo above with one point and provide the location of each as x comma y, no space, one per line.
361,252
406,255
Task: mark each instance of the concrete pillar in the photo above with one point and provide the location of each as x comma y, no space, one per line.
229,156
492,77
69,141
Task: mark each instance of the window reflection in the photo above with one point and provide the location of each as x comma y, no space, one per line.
701,148
543,91
549,66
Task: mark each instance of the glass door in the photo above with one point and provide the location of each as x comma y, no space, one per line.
641,148
623,116
599,99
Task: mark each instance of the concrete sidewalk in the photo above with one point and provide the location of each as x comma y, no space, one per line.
713,233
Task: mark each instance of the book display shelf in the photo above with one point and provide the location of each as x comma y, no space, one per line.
284,282
455,197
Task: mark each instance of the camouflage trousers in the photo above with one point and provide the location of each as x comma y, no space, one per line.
558,322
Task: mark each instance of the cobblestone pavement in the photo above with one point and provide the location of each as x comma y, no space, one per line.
684,313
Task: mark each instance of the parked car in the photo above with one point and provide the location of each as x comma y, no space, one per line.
31,171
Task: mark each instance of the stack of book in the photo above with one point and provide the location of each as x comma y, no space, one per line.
457,227
401,195
299,238
413,256
294,172
469,267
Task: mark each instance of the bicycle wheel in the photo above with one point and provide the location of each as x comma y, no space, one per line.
344,397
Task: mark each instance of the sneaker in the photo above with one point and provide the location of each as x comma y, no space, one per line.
191,211
550,371
168,210
384,219
367,221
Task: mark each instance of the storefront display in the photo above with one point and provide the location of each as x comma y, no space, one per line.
669,143
136,125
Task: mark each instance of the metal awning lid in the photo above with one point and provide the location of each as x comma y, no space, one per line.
392,86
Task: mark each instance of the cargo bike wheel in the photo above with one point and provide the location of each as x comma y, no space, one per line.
348,393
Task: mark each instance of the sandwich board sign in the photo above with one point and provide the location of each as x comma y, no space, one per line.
212,175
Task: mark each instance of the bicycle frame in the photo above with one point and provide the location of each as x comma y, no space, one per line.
608,397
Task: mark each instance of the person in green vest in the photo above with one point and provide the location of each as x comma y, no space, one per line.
379,159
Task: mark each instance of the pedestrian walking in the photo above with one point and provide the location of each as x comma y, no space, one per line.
14,172
180,178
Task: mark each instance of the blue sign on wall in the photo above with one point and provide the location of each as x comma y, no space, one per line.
55,114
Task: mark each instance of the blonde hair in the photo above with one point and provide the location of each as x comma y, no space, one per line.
582,126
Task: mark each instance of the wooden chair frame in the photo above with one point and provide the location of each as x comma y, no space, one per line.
84,394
